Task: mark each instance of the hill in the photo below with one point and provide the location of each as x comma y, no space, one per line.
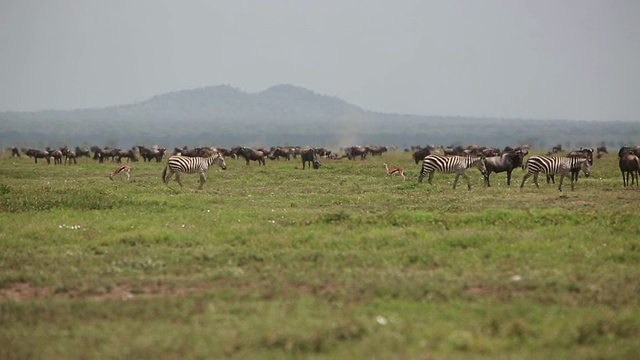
284,115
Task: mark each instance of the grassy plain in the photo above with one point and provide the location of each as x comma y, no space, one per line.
342,262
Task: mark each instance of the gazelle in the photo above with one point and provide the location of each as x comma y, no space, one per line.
394,171
121,169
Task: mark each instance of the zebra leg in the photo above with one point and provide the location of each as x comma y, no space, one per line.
431,177
535,180
562,178
468,180
524,179
178,178
455,182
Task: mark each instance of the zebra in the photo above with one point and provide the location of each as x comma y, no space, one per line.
555,165
452,164
191,165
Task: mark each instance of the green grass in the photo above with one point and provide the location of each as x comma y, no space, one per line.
342,262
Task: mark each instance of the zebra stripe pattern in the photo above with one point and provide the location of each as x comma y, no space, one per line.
191,165
450,165
555,165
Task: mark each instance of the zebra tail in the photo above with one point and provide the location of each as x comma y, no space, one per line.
164,173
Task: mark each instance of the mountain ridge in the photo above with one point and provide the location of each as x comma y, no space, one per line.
281,114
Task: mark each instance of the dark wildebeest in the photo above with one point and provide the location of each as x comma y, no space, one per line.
129,154
420,154
38,154
489,151
82,151
601,150
225,152
14,151
277,152
69,155
56,155
354,151
249,154
309,155
629,164
557,148
149,154
505,162
322,152
377,150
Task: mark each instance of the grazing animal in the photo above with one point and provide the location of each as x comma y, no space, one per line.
56,155
82,151
309,155
250,154
419,154
356,151
377,150
191,165
14,151
38,154
451,165
629,163
121,169
70,156
555,165
277,152
505,162
582,153
393,171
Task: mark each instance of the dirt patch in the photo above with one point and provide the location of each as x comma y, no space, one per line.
23,291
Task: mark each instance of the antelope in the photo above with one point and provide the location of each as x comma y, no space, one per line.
394,171
121,169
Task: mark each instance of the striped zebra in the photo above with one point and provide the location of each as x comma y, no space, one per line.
450,165
191,165
555,165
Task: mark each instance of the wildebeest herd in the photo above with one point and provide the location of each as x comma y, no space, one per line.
453,160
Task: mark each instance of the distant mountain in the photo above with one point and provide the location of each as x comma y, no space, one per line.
282,115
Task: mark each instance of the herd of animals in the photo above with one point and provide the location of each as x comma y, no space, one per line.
450,160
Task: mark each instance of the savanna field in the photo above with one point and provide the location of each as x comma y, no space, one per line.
337,263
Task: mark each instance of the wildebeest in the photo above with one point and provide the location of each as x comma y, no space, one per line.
277,152
38,154
629,163
149,154
129,154
82,151
56,155
322,152
377,150
309,155
420,154
14,151
505,162
69,155
354,151
250,154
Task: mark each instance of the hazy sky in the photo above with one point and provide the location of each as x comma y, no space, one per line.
555,59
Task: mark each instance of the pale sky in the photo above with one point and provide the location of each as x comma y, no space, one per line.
537,59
